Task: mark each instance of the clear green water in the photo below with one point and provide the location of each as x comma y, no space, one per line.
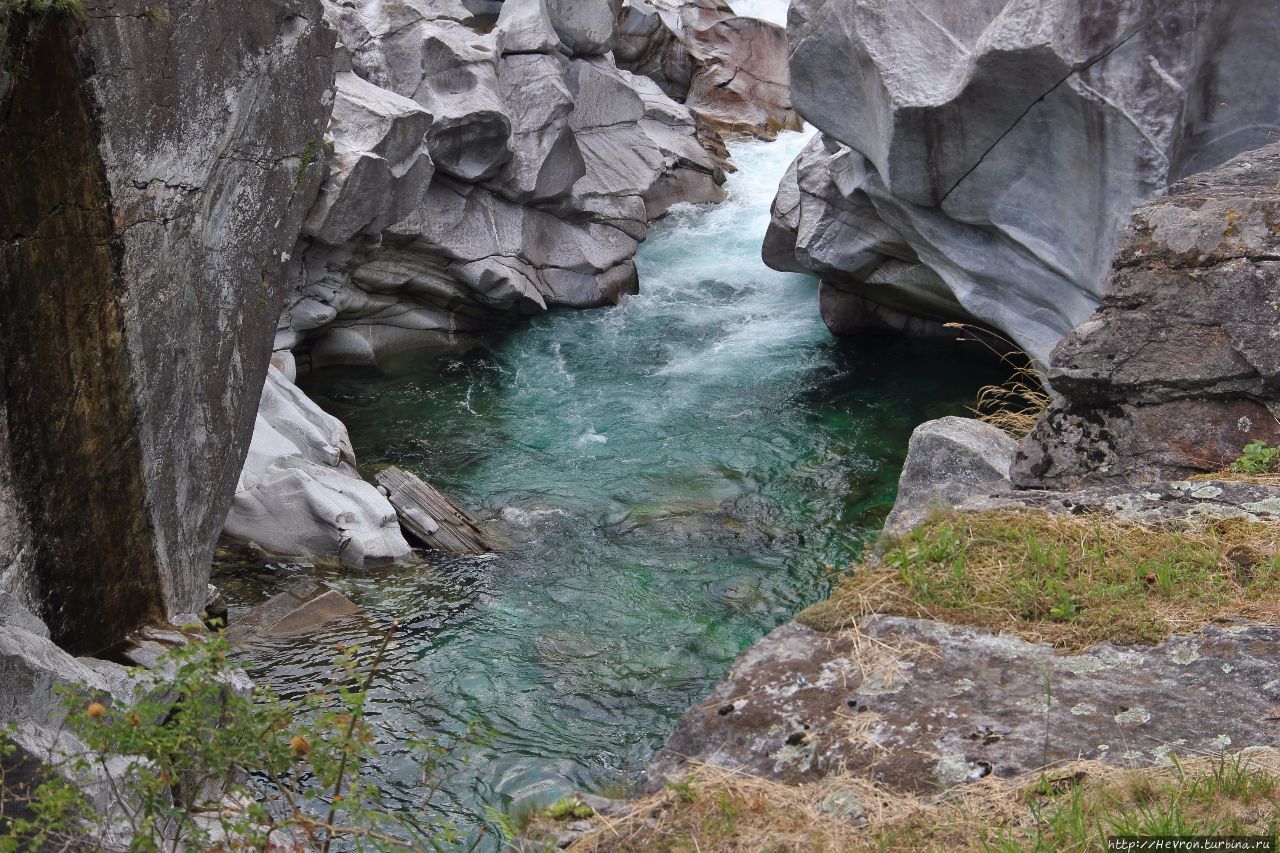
675,475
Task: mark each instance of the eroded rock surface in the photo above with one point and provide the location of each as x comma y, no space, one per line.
979,160
300,493
151,189
917,705
1179,368
731,71
477,176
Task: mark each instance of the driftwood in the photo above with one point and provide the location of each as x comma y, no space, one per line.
429,517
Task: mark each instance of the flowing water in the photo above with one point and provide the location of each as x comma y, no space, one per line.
676,477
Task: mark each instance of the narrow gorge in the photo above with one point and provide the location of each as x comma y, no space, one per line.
638,424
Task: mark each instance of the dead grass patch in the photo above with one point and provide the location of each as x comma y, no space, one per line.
1070,807
1236,477
1067,580
1016,404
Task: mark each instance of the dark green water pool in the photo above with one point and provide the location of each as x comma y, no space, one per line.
676,477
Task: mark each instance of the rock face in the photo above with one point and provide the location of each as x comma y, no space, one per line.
917,705
1179,368
979,160
949,460
300,493
475,177
730,71
151,191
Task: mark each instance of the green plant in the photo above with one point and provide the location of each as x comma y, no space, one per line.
305,159
569,808
195,762
1256,458
74,8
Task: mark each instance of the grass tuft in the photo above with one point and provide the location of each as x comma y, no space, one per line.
1067,580
1016,404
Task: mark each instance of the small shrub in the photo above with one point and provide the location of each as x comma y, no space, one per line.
1256,458
210,767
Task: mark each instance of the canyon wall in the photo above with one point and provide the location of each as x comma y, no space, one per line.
977,161
152,190
481,165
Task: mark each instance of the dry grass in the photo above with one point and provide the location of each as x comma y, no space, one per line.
1016,404
1272,480
1068,580
1070,807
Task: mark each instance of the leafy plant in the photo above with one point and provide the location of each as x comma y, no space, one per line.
1256,458
196,762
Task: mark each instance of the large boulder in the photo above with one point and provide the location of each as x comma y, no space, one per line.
949,460
731,71
980,159
1179,368
154,181
300,493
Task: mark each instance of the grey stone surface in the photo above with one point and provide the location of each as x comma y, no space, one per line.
1159,500
548,160
731,71
141,257
918,705
949,460
1179,368
300,494
982,158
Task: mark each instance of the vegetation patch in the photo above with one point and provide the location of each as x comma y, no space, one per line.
75,8
1067,580
1016,404
1068,808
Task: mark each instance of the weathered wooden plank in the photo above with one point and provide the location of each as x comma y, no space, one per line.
430,517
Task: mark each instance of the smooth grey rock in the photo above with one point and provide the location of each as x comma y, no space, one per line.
1178,369
300,493
141,261
585,26
13,612
968,704
1005,143
524,26
949,460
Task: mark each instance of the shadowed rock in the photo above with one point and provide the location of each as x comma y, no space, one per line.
1179,368
151,190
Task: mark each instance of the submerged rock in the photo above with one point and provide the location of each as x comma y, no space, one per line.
1179,368
979,160
151,189
300,493
299,610
917,705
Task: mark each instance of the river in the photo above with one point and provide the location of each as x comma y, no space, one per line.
676,475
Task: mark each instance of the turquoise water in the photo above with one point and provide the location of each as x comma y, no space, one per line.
675,477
